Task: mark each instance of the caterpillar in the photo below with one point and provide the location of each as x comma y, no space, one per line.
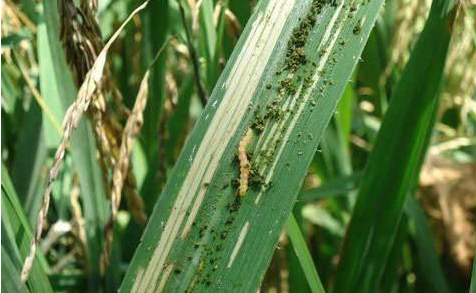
244,163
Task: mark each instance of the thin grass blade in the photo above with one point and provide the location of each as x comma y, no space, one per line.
302,253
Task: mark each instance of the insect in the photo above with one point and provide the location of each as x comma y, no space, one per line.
244,163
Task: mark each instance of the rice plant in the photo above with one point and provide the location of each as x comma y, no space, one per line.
238,146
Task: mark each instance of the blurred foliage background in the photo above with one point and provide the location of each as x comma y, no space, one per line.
39,81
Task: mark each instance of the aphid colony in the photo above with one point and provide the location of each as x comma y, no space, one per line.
244,163
286,86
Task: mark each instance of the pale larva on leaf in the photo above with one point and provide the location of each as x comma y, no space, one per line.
244,163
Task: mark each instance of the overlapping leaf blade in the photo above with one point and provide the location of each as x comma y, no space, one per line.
16,236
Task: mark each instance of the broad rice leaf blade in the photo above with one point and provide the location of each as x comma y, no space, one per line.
201,236
395,160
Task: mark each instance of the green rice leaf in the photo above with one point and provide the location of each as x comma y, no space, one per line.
283,80
429,264
11,276
16,236
302,253
395,160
